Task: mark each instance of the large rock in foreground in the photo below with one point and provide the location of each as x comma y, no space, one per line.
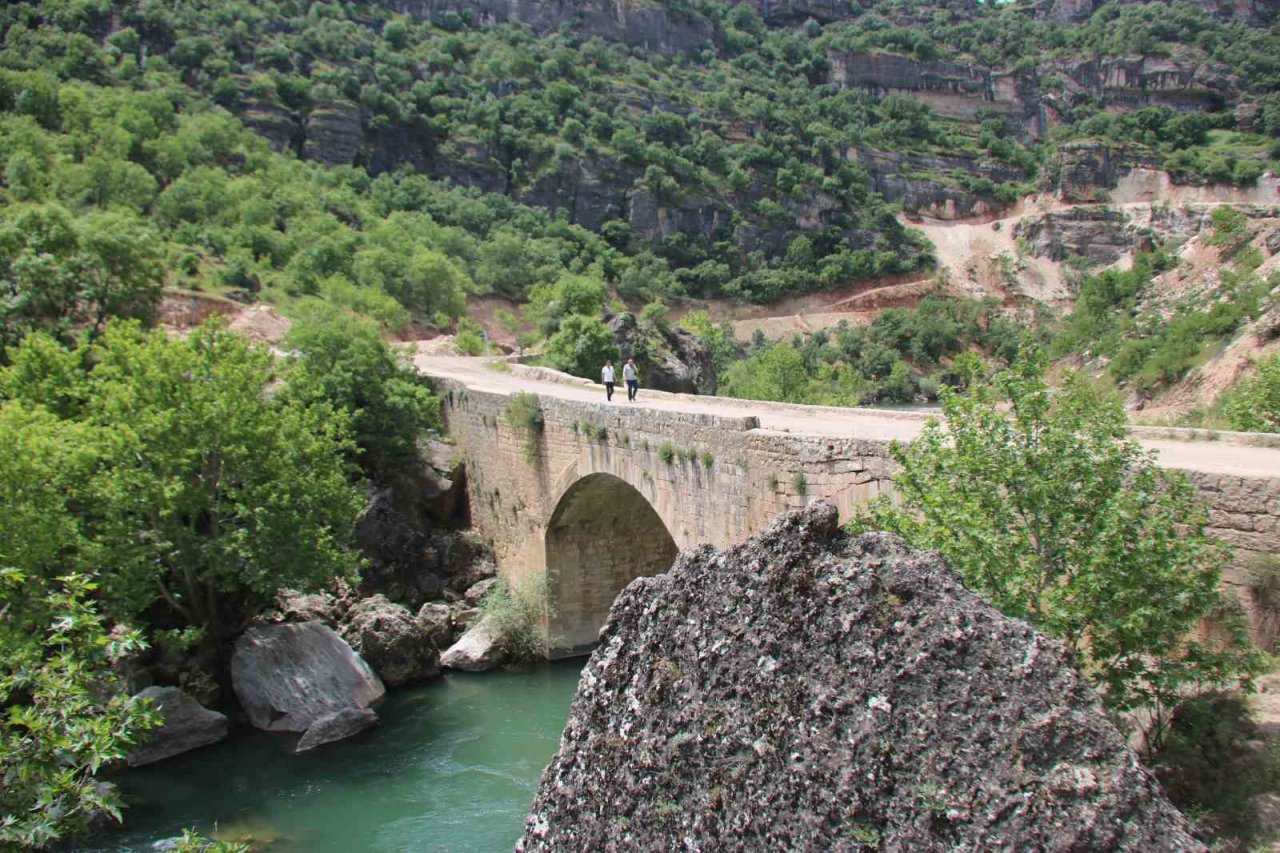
287,677
806,691
185,725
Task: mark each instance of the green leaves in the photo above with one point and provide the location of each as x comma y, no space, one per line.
57,273
177,471
1042,504
1254,404
56,729
582,346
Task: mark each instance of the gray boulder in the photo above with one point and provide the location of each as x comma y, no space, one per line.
810,691
294,606
398,646
336,726
477,591
669,359
289,676
185,725
435,618
478,650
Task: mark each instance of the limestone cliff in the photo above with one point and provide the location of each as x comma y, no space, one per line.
807,691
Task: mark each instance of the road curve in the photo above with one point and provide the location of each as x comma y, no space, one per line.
1224,457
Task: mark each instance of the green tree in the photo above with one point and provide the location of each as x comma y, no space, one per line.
581,346
212,489
57,273
778,373
342,361
58,727
1043,504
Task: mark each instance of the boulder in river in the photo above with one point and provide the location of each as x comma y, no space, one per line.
810,691
477,651
336,726
185,725
398,646
289,676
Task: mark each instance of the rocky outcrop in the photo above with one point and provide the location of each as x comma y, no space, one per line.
1101,234
650,26
929,185
1085,172
1104,234
807,691
669,358
398,646
443,488
334,133
288,677
278,125
185,725
408,560
436,620
294,606
478,650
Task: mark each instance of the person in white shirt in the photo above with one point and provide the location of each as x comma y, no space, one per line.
606,376
632,379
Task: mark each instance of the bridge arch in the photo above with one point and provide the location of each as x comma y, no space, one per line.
602,535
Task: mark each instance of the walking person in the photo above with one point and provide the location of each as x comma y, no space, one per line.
606,376
632,379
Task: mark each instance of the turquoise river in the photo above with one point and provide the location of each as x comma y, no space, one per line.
453,767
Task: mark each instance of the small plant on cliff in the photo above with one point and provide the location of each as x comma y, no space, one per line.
1254,405
667,453
524,413
517,614
1044,505
800,481
707,459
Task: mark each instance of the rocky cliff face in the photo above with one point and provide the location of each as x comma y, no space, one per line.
669,359
804,691
651,26
1047,93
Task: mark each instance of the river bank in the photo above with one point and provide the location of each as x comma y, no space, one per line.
453,765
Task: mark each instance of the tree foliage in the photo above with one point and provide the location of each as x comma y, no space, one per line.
582,346
58,272
56,728
342,361
1044,505
207,491
1254,404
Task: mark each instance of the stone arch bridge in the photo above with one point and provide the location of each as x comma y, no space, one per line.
601,493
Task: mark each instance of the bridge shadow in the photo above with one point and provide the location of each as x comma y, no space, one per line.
603,535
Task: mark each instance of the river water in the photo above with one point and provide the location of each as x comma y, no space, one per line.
453,766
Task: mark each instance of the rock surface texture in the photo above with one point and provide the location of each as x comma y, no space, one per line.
807,691
288,677
398,646
478,650
669,359
185,725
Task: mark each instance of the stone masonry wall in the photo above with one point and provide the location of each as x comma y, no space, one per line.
739,477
